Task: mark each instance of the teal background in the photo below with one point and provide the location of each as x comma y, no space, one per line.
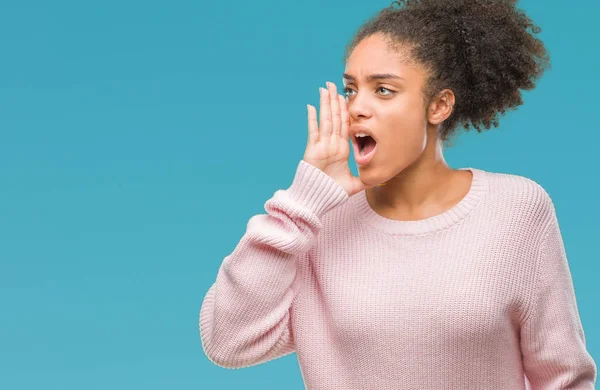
139,137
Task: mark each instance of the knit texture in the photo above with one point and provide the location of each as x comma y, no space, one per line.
478,297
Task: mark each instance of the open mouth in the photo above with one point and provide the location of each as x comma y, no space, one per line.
365,144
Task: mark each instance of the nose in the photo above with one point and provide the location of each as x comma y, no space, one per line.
358,107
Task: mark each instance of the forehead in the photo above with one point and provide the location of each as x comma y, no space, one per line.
374,55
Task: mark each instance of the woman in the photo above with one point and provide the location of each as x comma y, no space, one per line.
413,275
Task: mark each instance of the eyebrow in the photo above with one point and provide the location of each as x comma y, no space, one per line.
377,76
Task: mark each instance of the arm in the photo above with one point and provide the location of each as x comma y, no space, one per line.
245,315
552,338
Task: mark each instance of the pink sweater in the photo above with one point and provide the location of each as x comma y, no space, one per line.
479,297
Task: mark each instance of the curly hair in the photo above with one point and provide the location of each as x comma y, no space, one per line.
480,49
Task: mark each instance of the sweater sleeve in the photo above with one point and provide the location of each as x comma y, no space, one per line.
552,338
245,315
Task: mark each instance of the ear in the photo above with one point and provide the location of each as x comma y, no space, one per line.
441,107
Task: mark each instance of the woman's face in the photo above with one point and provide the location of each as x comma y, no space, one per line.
391,108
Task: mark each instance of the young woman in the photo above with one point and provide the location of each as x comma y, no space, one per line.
413,275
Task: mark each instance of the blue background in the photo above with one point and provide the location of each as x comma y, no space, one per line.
139,137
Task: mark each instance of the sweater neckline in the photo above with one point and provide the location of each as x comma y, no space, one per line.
479,185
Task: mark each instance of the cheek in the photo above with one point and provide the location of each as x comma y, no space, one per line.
407,111
409,119
407,132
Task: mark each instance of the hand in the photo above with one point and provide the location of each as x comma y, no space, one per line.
327,148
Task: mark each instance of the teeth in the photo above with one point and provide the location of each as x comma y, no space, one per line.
362,134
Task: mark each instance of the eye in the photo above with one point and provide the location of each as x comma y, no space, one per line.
348,90
385,89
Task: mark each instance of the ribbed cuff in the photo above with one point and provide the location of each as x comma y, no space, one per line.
316,190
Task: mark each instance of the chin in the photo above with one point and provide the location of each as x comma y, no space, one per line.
371,179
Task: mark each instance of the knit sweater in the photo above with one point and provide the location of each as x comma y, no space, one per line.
477,297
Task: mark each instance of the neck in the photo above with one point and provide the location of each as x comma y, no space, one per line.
426,187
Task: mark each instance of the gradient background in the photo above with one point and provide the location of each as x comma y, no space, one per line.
139,137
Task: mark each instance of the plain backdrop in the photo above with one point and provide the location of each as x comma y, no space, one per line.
137,138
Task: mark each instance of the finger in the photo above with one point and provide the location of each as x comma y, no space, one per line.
345,119
313,126
335,109
325,115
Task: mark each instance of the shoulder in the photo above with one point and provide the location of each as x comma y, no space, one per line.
516,184
522,196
